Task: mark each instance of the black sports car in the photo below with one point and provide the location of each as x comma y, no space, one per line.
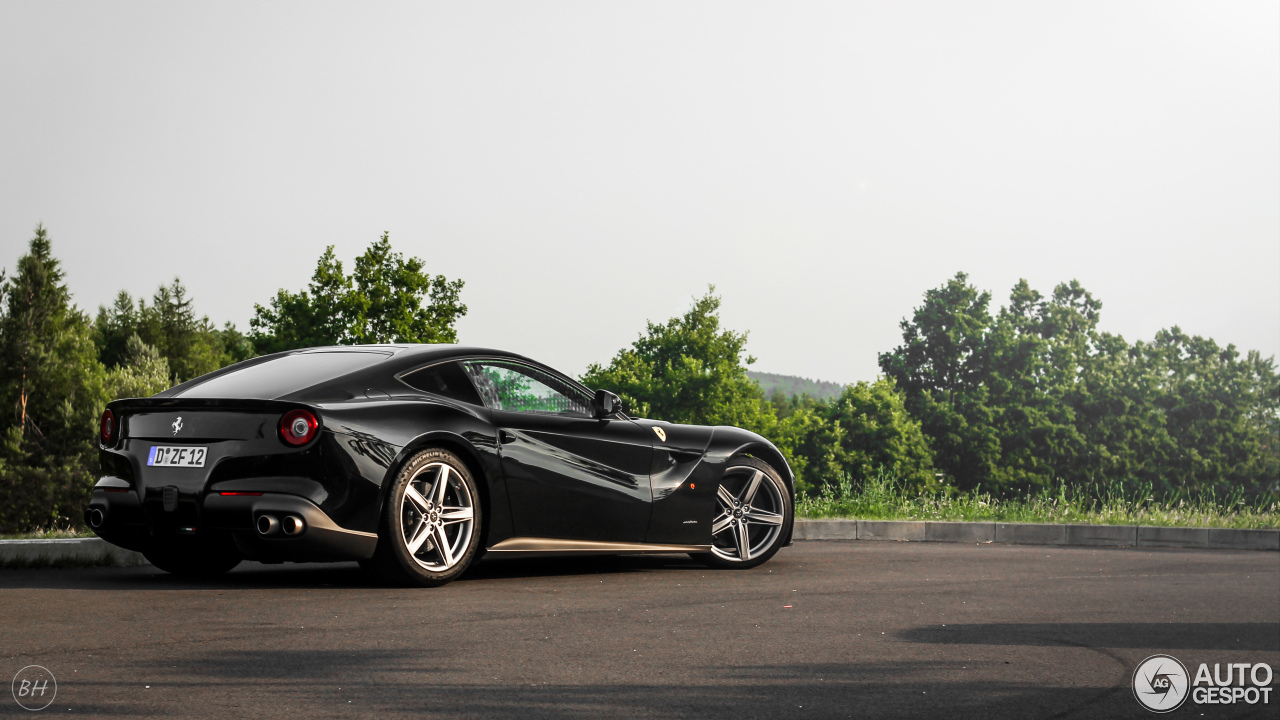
414,460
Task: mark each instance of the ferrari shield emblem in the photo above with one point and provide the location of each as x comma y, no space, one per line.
662,434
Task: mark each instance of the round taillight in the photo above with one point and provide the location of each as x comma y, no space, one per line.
297,427
108,427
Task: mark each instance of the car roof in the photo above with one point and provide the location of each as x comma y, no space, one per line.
410,354
402,357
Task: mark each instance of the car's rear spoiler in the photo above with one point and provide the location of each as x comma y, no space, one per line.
154,403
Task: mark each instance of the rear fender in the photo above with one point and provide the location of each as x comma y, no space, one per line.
479,452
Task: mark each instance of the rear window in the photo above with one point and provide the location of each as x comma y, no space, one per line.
282,376
445,379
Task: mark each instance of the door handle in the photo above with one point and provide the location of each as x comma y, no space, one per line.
505,436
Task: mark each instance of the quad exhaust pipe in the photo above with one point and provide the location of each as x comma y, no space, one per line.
270,525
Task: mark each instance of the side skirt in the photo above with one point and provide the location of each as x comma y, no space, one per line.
512,547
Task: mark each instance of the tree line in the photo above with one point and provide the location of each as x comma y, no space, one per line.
59,366
1028,397
1006,401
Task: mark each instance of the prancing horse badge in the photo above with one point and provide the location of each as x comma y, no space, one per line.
662,434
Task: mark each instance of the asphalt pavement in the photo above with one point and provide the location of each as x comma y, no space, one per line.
824,630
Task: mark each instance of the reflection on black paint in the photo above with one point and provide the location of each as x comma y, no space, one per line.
579,465
670,469
575,478
362,443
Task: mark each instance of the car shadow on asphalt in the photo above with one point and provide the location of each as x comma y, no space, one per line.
423,683
254,575
1167,635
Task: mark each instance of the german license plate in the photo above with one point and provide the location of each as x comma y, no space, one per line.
182,456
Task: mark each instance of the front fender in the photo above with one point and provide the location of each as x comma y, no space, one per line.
687,467
731,441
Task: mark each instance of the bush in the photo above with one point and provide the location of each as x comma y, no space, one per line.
142,372
880,433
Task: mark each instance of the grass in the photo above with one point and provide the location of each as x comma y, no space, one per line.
40,562
884,498
55,533
46,563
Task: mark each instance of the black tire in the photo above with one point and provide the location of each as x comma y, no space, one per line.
433,563
766,527
194,559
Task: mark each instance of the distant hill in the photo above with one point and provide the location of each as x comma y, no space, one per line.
792,385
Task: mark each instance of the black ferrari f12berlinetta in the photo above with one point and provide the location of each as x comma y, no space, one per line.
415,460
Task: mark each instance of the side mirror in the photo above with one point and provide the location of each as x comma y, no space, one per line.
605,404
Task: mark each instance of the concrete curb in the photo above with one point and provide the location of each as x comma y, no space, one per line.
1038,534
86,551
96,551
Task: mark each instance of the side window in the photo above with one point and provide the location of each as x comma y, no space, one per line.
445,379
517,388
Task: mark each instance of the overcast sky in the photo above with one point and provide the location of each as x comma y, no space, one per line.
587,166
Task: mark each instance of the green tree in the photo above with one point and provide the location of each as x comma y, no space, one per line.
1216,406
51,377
813,445
191,346
1037,350
115,325
942,367
381,301
866,429
308,318
878,432
142,372
1115,409
387,305
1038,396
688,370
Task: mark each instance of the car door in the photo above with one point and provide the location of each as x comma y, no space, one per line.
569,475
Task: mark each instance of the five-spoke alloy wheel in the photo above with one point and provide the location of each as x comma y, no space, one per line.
431,522
754,514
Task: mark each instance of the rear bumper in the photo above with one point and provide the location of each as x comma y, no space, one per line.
130,523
